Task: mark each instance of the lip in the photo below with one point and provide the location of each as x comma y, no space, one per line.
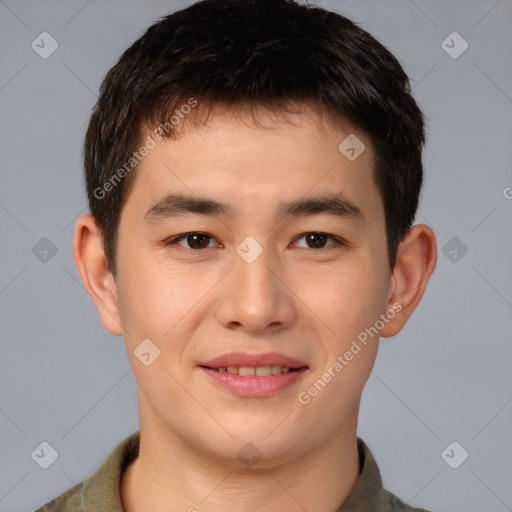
254,387
246,359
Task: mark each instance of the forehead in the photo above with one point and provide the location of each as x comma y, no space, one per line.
254,154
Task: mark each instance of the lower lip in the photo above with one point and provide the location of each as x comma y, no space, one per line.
254,387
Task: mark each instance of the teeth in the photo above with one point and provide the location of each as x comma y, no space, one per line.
246,371
263,371
249,371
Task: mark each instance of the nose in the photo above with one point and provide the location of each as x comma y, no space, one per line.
256,296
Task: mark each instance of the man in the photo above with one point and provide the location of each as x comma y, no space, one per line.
253,170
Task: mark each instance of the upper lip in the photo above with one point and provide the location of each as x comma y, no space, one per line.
254,360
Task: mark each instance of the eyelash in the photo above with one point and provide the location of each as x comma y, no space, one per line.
337,242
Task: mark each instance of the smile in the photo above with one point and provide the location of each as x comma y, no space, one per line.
252,386
259,371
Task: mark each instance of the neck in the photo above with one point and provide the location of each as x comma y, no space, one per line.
170,475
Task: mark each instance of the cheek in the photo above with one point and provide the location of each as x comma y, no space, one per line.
162,303
149,302
348,298
351,302
353,296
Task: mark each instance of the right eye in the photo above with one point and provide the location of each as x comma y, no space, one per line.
196,241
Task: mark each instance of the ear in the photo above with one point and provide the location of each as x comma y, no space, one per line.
416,260
92,266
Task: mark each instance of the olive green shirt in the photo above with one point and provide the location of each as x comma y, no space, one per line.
101,491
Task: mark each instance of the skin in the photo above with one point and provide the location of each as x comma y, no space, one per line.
304,302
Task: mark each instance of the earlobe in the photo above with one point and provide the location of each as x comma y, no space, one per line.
92,266
416,260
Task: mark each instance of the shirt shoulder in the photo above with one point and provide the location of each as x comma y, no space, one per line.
67,501
102,489
388,502
369,493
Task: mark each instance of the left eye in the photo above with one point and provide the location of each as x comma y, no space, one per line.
315,240
195,241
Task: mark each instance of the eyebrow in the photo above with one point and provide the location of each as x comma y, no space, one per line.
174,205
334,204
180,204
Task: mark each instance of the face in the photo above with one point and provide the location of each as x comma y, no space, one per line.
244,250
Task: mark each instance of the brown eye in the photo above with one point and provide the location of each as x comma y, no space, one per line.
193,241
198,241
315,240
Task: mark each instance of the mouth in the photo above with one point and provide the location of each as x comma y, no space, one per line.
251,371
255,376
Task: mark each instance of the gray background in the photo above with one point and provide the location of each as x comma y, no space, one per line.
445,378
